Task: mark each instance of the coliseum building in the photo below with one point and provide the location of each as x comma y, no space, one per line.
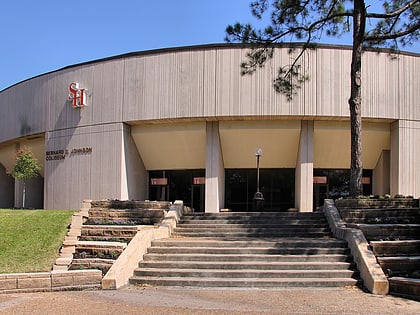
184,124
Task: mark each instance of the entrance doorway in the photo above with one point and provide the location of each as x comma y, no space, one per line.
185,185
197,197
277,186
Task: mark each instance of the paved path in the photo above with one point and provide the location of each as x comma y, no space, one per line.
150,300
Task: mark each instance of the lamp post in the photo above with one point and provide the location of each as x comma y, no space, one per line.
258,196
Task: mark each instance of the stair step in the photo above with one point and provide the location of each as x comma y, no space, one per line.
103,216
248,273
128,204
109,230
400,264
285,233
396,248
246,257
142,213
275,265
240,220
90,238
98,249
217,225
379,213
244,282
405,287
402,203
91,263
273,243
248,250
252,229
100,244
389,231
254,216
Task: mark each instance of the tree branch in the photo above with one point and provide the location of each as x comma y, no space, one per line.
379,37
392,14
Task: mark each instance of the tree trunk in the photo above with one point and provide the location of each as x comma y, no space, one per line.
23,195
355,101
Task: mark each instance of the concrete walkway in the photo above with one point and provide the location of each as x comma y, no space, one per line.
151,300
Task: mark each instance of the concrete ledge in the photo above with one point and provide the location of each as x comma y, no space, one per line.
371,273
50,281
75,278
121,271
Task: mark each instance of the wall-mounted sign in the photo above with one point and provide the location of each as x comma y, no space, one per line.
366,180
81,150
320,179
77,95
158,181
199,180
55,155
62,154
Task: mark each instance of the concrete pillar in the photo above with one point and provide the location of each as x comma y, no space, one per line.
394,159
18,199
304,168
7,190
215,171
381,174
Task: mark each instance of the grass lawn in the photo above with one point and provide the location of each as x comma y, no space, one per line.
30,239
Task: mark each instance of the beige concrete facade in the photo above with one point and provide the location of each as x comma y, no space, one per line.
190,109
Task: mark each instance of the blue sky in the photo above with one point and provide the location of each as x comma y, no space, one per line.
39,36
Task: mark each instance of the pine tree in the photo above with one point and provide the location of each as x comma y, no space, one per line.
397,25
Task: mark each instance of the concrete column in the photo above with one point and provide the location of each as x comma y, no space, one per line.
18,200
380,184
7,190
304,169
394,159
215,171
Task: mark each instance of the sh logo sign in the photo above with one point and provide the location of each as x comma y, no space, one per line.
77,95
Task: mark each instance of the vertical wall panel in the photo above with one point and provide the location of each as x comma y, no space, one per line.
332,76
133,172
83,175
408,177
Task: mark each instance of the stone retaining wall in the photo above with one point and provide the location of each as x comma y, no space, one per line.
50,281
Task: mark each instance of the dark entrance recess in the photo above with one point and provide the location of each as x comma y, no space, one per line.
277,186
334,184
185,185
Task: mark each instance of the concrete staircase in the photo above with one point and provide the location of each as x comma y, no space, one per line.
109,228
248,250
394,237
